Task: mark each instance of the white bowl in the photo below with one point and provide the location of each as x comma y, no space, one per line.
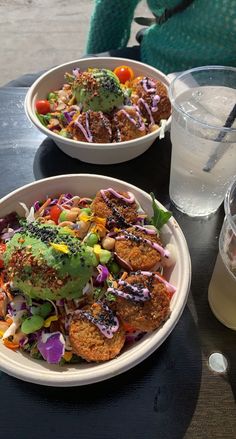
21,365
99,153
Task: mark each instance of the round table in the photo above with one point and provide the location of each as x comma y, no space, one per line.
171,395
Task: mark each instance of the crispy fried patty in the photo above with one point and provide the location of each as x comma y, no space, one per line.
127,124
117,212
164,105
89,343
134,252
144,316
94,124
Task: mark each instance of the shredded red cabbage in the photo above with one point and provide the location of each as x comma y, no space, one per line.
34,336
23,341
10,220
51,346
68,196
103,273
76,71
18,304
9,234
36,206
53,202
67,116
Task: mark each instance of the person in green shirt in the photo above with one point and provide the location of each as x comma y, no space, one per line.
190,33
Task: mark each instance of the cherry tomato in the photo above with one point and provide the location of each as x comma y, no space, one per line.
55,213
43,106
124,73
2,250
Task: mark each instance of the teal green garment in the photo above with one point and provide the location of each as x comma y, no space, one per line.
203,34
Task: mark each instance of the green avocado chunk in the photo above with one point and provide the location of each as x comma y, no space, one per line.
45,262
98,90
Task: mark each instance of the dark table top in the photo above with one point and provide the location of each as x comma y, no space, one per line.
173,394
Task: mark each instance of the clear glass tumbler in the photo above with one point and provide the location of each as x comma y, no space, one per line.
203,136
222,288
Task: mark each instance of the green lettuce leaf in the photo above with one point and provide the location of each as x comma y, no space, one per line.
160,216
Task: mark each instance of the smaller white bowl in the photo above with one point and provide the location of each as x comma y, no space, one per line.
99,153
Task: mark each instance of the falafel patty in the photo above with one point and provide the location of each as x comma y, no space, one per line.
152,99
145,314
91,126
137,250
127,124
117,211
86,337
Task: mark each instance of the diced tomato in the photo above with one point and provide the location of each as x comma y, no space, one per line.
55,213
128,327
124,73
43,106
2,250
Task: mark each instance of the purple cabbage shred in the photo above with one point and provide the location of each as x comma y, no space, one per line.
36,206
67,116
51,347
10,220
53,202
76,71
103,273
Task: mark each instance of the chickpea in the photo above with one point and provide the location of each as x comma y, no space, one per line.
75,201
75,209
71,215
169,262
66,224
108,243
83,228
153,128
68,215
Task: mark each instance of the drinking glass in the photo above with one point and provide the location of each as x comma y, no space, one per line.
203,136
222,288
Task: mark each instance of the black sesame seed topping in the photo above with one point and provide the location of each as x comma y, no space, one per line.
45,234
50,235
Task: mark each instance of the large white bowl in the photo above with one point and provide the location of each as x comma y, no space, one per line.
100,153
36,371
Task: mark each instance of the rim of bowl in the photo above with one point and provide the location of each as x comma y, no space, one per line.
128,359
30,111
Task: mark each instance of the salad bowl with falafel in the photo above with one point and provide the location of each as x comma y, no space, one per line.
94,276
101,110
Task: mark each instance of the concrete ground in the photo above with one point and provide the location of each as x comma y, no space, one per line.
38,34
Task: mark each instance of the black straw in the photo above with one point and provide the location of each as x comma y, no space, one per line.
215,157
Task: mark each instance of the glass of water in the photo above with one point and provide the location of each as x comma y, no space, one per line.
203,136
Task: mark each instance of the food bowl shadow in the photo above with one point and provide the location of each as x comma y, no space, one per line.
163,391
49,161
